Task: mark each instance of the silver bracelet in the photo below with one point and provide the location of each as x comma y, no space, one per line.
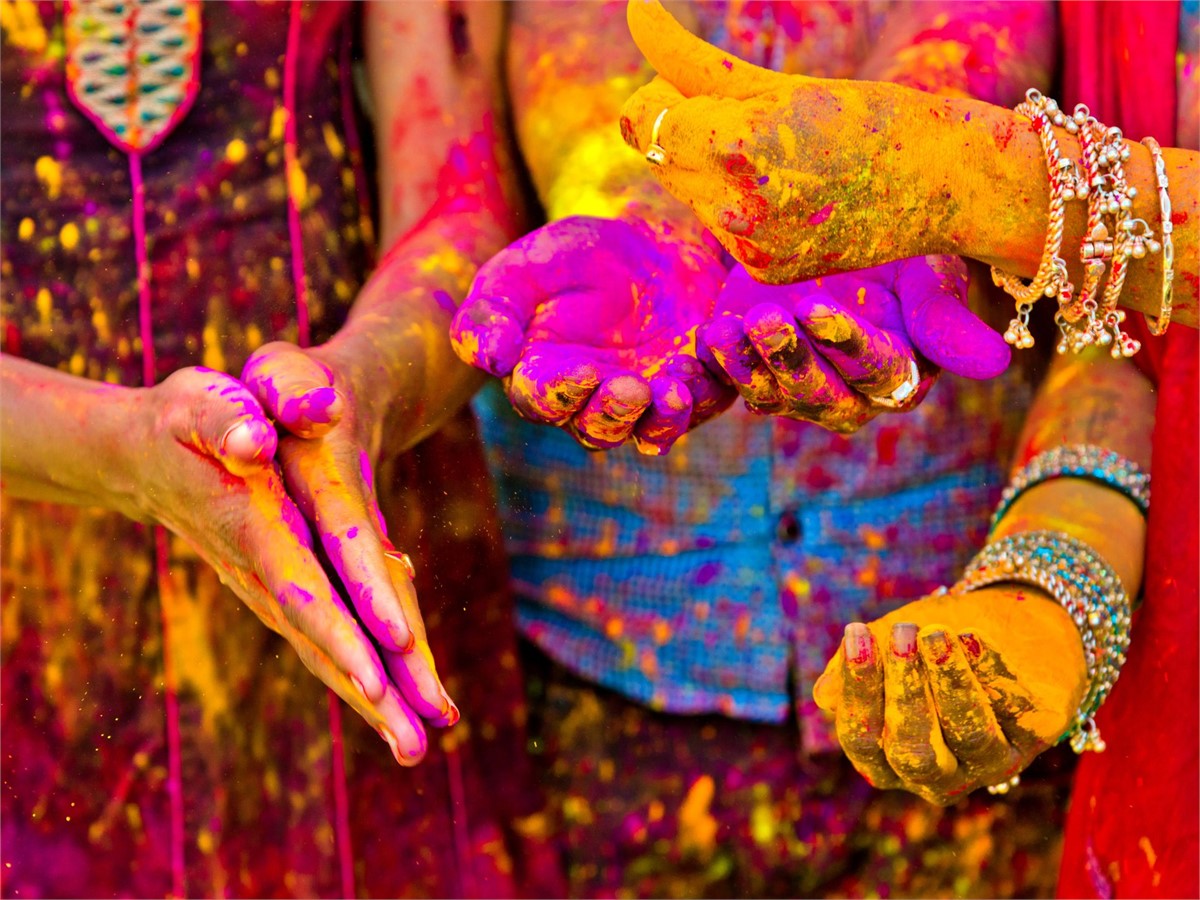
1159,326
1087,588
1079,461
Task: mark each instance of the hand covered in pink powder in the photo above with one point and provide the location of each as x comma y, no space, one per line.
821,350
327,469
591,323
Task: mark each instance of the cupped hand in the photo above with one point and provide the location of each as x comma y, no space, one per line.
592,324
793,175
955,692
823,350
201,449
328,470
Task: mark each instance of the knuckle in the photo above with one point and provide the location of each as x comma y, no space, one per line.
977,742
300,610
915,761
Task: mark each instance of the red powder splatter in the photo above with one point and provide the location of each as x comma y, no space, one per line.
885,445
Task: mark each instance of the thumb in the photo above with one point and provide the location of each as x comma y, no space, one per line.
295,390
565,257
694,66
214,415
933,292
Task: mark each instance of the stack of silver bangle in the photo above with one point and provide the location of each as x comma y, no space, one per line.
1086,587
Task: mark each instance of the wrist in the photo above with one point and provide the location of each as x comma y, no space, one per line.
981,179
399,370
118,430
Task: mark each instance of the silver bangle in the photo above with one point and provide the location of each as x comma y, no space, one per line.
1159,325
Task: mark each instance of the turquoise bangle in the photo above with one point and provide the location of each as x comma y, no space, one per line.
1079,461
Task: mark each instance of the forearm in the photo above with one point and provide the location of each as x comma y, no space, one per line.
63,436
1089,399
449,201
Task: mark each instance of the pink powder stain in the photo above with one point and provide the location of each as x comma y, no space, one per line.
821,214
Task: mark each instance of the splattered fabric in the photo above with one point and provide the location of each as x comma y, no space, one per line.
88,806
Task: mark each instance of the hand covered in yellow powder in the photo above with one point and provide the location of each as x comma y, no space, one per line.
328,470
951,693
795,176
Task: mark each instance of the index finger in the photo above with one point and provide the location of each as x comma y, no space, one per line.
870,359
860,712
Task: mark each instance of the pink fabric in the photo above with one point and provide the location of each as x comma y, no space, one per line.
1132,826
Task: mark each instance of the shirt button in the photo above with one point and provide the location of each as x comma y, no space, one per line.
787,529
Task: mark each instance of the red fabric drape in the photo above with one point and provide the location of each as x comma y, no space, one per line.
1132,830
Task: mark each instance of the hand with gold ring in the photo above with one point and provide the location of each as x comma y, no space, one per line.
327,433
841,349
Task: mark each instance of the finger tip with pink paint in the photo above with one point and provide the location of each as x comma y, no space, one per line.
667,418
405,737
968,348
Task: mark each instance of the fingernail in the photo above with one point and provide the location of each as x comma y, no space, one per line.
359,685
938,645
411,644
387,735
904,639
971,645
857,643
450,712
248,439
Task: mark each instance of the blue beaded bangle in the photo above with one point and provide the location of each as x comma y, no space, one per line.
1079,461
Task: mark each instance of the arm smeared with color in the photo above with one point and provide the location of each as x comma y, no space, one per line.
903,173
954,692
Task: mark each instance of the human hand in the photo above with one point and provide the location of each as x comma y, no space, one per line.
328,470
199,459
795,176
820,350
955,692
592,322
